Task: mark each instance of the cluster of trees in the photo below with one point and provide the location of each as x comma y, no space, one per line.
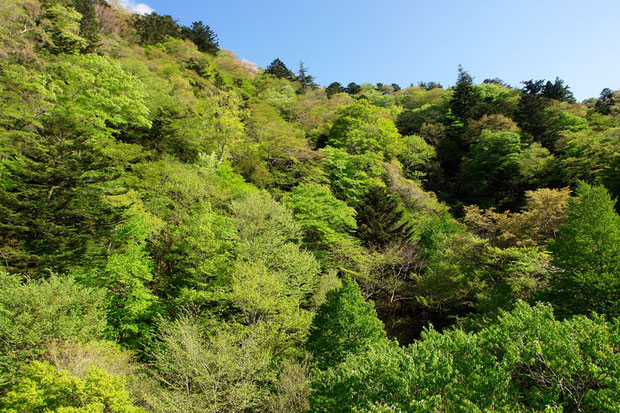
181,231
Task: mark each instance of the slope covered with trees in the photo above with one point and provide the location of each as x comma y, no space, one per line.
181,231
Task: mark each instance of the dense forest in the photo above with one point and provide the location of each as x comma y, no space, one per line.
182,231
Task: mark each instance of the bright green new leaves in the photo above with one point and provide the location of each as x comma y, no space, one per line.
587,252
350,176
33,314
528,361
42,388
94,90
345,324
325,220
364,127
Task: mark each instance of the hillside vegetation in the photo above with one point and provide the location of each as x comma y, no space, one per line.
182,231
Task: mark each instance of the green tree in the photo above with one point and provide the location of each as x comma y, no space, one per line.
380,218
344,325
326,221
42,388
533,115
527,361
89,25
203,37
490,173
587,252
363,127
306,80
465,97
334,88
154,28
277,68
350,176
35,313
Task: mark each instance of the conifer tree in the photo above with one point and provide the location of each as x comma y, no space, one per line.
277,68
465,97
380,218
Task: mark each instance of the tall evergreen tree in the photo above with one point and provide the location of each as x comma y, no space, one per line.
306,80
89,25
380,218
334,88
203,37
277,68
533,116
465,97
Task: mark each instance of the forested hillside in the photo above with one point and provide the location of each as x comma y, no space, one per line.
182,231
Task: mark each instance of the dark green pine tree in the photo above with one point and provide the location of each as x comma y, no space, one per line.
53,215
277,68
533,115
380,218
153,28
465,98
306,80
333,89
203,37
89,25
343,325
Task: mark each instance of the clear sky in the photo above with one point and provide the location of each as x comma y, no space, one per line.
400,41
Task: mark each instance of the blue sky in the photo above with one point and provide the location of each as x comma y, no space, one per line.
399,41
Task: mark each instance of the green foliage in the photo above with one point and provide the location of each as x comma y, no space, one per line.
587,253
63,24
465,97
528,361
417,156
363,127
153,28
36,313
491,167
350,176
344,325
203,37
42,388
380,218
228,370
277,68
325,220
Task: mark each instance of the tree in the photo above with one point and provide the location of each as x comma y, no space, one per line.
306,80
60,168
277,68
89,25
41,387
154,28
465,97
363,127
526,361
353,88
605,102
344,325
587,253
326,221
202,36
35,313
334,88
558,91
533,114
380,218
490,171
